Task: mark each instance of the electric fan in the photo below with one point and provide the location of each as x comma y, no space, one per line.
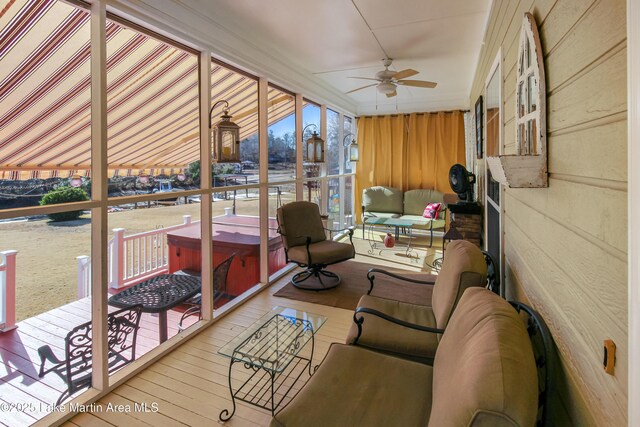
461,181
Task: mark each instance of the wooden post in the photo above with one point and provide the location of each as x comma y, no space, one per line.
99,194
84,275
117,259
8,289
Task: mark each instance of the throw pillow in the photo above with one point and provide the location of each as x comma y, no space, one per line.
432,210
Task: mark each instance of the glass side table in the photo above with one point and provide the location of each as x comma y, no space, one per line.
270,349
398,223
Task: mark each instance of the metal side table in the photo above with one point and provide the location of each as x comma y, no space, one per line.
270,350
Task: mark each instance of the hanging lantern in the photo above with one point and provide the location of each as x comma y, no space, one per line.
314,147
226,137
353,148
181,176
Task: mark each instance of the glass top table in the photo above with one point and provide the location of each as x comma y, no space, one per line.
398,223
268,347
394,222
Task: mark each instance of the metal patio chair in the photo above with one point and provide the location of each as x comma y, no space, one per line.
75,368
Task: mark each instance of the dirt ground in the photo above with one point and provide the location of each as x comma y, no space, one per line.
46,262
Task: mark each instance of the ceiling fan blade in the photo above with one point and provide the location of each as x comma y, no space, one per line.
392,94
363,78
417,83
363,87
404,74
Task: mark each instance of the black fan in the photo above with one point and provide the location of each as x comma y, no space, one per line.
461,181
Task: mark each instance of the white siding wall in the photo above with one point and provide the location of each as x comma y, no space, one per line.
566,245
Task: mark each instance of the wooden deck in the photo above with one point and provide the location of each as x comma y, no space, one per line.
20,363
190,385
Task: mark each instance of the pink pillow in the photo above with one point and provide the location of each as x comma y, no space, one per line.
432,210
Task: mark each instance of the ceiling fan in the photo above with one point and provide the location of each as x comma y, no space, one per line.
389,80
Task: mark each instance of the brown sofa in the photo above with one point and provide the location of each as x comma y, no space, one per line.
484,374
377,325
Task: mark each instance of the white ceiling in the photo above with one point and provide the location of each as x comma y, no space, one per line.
330,40
313,46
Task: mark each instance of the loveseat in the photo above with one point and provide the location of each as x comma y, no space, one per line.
389,202
484,374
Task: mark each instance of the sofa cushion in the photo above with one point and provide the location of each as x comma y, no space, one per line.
432,210
358,387
381,215
484,370
464,266
386,336
416,200
382,199
422,223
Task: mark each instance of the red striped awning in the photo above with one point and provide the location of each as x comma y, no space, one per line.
152,96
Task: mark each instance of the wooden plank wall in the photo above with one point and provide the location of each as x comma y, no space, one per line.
566,245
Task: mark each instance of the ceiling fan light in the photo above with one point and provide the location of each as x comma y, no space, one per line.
386,88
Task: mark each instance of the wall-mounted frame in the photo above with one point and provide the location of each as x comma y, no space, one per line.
478,116
528,167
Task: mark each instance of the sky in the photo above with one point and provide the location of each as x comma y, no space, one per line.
310,114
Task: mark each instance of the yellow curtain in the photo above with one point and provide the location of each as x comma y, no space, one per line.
409,152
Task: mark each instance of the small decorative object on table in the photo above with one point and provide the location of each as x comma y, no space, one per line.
389,241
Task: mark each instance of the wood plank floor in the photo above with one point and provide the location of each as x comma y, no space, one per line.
190,385
20,387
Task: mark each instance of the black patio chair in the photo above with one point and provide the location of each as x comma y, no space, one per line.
220,274
75,368
493,273
542,344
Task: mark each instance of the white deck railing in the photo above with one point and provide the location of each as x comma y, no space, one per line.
7,290
131,259
140,256
84,276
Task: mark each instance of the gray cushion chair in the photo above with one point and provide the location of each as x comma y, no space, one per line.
484,374
305,243
399,328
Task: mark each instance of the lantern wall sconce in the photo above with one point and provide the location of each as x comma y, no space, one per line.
226,136
354,150
314,146
75,180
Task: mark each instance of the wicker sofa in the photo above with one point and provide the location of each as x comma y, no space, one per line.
389,202
484,374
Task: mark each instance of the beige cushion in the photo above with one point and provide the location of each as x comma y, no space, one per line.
325,252
382,215
382,199
389,337
484,370
437,223
358,387
463,267
299,220
416,200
